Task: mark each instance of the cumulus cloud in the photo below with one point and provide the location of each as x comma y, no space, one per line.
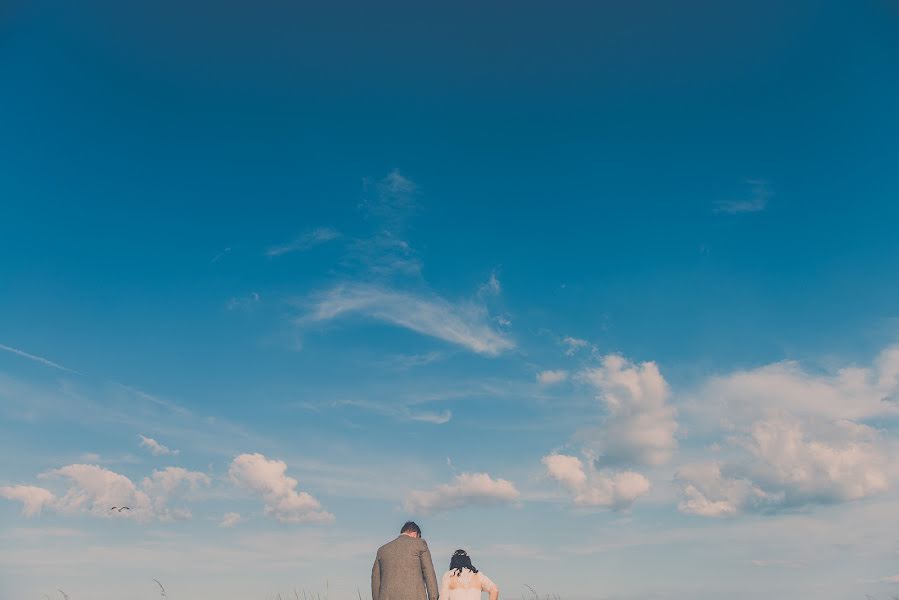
793,438
155,447
33,498
851,392
161,485
589,487
94,490
465,324
708,493
836,462
230,519
466,489
786,467
268,479
550,377
305,241
640,425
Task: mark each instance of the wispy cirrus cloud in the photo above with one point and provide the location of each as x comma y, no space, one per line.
247,303
466,489
220,255
155,447
465,324
550,377
391,199
756,201
304,241
384,254
35,358
437,418
384,283
573,344
397,410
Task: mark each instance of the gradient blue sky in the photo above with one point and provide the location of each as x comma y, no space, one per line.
604,292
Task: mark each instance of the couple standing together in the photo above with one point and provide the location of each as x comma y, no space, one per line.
403,570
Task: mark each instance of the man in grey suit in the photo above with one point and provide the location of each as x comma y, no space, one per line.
403,569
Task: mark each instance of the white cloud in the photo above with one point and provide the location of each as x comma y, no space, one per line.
792,438
393,201
838,462
220,255
247,303
33,498
757,200
305,241
640,425
550,377
230,519
155,447
403,412
95,490
492,286
437,418
707,493
850,392
590,487
37,359
464,324
466,489
267,478
383,254
162,484
573,344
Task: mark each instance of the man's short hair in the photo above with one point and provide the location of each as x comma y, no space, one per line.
411,527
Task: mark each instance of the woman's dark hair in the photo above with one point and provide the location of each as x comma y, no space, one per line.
461,560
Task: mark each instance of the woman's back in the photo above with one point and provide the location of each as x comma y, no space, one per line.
464,584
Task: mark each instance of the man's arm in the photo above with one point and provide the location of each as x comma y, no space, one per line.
376,578
427,571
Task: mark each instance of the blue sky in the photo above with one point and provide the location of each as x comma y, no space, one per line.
605,294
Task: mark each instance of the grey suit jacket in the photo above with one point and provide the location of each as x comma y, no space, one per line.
403,570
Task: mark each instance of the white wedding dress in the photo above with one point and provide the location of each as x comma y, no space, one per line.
466,586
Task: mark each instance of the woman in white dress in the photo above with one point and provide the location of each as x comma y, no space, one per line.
464,582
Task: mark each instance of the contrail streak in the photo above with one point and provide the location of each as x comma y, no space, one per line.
39,359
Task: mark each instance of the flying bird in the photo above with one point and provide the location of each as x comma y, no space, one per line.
124,508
